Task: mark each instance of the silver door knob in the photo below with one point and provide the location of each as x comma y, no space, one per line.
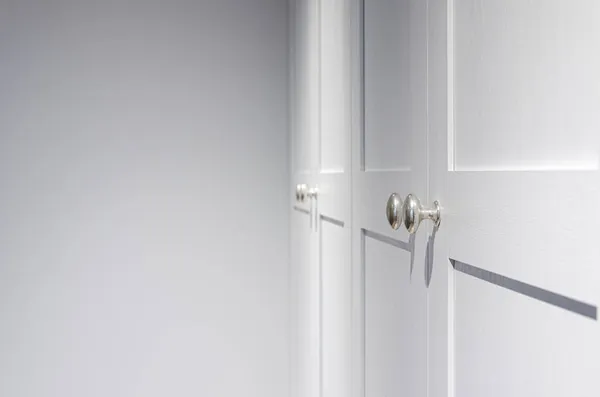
413,213
301,190
393,211
312,193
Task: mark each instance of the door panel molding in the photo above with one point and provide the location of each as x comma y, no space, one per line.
513,294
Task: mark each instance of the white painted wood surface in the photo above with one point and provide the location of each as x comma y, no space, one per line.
514,143
389,155
489,107
335,198
305,271
321,109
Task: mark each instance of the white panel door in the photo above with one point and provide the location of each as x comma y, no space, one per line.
514,99
389,155
305,271
333,202
321,113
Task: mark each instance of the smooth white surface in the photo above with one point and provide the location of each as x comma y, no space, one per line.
515,202
335,85
321,150
333,177
389,155
336,316
305,309
305,271
388,101
521,347
502,131
143,243
441,344
527,88
335,199
305,97
395,323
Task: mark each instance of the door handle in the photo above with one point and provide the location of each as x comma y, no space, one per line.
304,193
301,192
393,211
413,213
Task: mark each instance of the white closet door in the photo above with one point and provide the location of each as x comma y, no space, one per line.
515,143
389,155
321,146
305,271
334,198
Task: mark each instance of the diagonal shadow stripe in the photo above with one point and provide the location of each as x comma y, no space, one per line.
333,221
552,298
387,240
300,209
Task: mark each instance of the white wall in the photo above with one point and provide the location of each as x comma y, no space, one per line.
143,188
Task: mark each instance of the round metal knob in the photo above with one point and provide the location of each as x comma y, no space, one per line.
393,211
301,190
413,213
312,193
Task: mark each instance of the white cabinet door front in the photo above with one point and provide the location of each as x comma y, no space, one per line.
514,99
334,197
389,155
305,271
321,113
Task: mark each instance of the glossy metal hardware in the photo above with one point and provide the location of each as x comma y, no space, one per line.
413,213
393,211
301,192
312,193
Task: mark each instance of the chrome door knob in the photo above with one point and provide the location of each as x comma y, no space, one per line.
312,193
301,190
413,213
393,211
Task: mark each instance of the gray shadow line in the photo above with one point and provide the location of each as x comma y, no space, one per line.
429,258
332,220
303,210
411,248
388,240
552,298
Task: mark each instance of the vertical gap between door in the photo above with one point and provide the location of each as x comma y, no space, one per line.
320,88
361,28
451,148
428,180
450,86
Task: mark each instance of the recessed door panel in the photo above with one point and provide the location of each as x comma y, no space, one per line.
335,86
305,308
395,321
513,88
386,83
526,86
510,344
336,309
